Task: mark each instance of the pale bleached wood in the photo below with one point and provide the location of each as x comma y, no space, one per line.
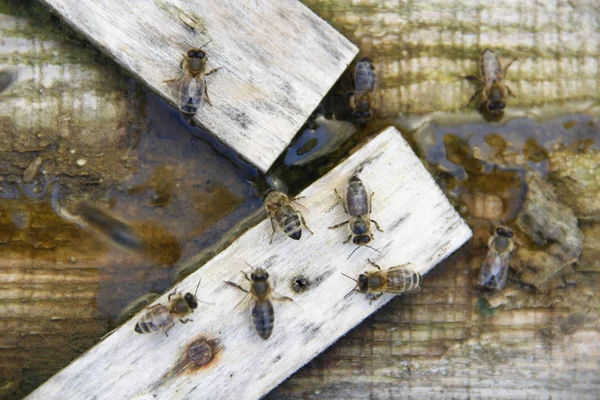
420,227
278,58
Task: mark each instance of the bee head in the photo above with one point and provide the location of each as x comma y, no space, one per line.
504,231
359,227
196,53
260,275
361,240
363,282
362,116
495,106
190,299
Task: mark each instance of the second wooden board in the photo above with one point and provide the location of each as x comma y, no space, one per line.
278,60
420,226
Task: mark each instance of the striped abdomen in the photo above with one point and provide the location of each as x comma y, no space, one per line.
263,318
403,280
288,220
156,319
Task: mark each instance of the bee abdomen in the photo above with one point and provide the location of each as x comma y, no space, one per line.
357,198
263,318
292,227
404,280
154,320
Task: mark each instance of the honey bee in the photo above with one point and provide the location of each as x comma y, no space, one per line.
493,90
283,216
365,85
494,270
263,315
161,318
358,205
113,229
192,83
396,280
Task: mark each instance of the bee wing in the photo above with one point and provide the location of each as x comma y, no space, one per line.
402,279
288,300
244,302
494,270
191,92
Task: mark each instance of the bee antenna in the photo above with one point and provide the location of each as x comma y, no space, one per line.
205,43
349,277
350,292
357,247
197,286
372,248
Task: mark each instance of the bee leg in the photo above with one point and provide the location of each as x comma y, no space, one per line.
246,276
185,321
341,200
167,330
235,285
338,225
212,70
206,94
470,77
510,92
304,223
347,240
371,203
171,295
473,97
170,80
376,297
508,65
376,225
375,265
274,230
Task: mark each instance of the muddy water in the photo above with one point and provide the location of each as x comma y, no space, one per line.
64,286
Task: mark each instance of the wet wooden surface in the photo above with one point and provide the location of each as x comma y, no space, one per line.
424,46
278,60
420,227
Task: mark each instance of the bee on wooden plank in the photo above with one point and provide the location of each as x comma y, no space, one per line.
366,81
263,314
491,77
396,280
283,215
494,270
192,83
159,317
357,203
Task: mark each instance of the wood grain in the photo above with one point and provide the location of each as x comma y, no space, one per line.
278,58
424,46
420,226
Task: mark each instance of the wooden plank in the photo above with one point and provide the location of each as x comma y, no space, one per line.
278,58
420,227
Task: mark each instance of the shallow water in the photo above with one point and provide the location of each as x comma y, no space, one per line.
185,193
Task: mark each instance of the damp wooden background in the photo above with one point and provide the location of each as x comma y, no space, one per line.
278,60
417,344
423,47
420,226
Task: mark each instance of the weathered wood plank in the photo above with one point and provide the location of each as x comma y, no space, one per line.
278,58
420,227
